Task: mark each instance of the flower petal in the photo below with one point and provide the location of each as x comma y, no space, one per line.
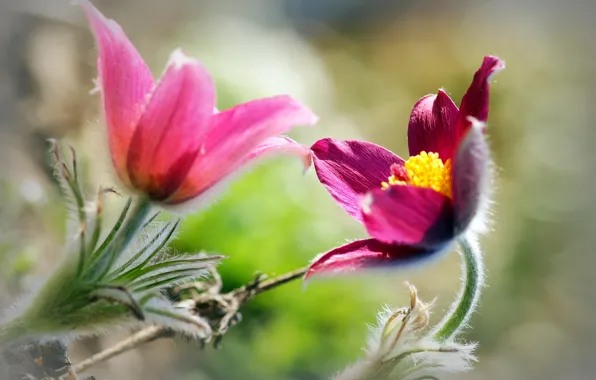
408,215
476,100
349,169
432,126
235,134
171,130
282,144
471,176
277,144
125,82
363,254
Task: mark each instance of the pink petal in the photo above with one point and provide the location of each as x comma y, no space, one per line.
171,130
408,215
476,100
364,254
277,144
125,82
349,169
282,144
235,134
432,126
471,176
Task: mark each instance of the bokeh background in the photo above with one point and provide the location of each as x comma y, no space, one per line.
361,65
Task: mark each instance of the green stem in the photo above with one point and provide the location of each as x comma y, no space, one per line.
463,307
108,240
134,222
64,300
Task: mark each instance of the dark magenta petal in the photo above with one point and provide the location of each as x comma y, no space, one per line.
432,126
349,169
408,215
471,176
364,254
476,100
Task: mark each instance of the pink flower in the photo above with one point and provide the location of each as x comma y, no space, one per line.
166,140
415,208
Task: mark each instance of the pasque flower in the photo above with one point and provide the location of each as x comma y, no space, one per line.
167,141
412,209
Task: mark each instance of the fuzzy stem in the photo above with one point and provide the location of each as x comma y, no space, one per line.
135,221
464,306
241,295
59,305
144,336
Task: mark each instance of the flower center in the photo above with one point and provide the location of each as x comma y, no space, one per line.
423,170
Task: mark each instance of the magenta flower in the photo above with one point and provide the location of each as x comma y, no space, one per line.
166,140
415,208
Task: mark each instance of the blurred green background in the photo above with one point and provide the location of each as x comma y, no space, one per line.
360,65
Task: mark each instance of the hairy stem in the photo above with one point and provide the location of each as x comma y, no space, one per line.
144,336
134,222
57,307
246,292
242,295
464,306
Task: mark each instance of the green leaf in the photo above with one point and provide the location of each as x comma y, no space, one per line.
200,259
114,230
167,278
120,295
120,274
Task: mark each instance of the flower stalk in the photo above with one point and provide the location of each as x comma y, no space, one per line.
466,303
59,305
116,280
125,235
400,348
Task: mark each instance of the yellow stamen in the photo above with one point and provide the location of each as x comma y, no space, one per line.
423,170
391,181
